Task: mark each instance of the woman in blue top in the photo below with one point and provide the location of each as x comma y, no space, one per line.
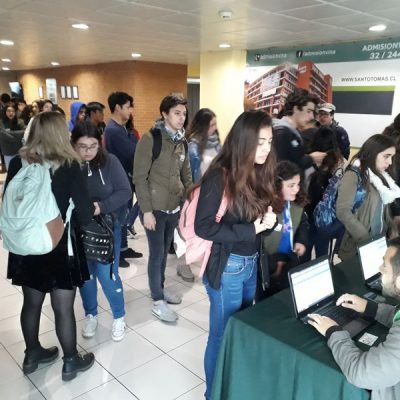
110,191
204,143
281,250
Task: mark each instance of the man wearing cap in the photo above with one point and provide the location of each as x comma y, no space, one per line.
325,117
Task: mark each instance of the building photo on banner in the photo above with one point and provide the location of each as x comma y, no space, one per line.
361,79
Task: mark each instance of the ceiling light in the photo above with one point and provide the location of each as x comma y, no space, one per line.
136,55
7,42
5,69
5,60
224,46
377,28
80,26
55,63
225,14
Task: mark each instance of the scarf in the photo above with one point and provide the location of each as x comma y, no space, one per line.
213,142
175,136
387,194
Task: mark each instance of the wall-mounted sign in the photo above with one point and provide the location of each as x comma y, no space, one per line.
51,89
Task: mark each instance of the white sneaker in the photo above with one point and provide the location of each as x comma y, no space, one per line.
118,329
163,312
89,329
172,298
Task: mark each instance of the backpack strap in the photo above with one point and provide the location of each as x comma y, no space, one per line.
157,143
68,221
186,146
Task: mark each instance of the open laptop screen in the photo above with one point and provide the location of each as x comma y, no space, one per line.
312,285
371,256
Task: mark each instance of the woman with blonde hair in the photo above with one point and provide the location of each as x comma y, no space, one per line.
56,272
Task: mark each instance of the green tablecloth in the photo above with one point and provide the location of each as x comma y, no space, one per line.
268,354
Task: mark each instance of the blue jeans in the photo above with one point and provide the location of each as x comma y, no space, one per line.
159,242
132,215
112,286
7,160
124,228
237,291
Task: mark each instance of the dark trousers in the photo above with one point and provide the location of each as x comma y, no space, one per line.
159,242
317,239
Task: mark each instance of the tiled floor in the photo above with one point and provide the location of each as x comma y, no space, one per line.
155,361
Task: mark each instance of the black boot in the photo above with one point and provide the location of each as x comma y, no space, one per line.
36,356
78,362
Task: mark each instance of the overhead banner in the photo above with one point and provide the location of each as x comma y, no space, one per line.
361,79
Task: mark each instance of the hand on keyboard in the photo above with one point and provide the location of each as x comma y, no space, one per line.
352,302
321,323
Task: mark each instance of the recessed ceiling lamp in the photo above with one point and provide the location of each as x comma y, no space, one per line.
5,42
5,60
136,55
377,28
225,14
80,26
55,63
5,69
224,46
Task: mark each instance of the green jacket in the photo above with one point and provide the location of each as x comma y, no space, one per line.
271,242
357,225
161,185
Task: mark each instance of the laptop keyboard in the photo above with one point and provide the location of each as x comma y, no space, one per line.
376,285
340,315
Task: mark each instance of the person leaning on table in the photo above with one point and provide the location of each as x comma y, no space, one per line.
379,368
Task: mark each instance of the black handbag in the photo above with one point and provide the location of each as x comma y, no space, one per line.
98,239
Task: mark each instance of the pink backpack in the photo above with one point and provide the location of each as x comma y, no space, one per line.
197,249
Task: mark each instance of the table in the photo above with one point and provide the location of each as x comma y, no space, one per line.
267,354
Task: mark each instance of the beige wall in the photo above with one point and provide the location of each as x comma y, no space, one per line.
221,87
5,77
147,82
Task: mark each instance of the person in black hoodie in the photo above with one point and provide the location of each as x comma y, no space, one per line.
325,141
298,111
109,190
11,133
243,172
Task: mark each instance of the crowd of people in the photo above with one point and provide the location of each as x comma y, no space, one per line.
273,173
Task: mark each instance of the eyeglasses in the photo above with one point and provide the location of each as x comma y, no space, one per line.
83,147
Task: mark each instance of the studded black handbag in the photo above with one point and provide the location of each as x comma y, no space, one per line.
98,239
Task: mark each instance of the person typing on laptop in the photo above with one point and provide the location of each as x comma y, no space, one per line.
379,368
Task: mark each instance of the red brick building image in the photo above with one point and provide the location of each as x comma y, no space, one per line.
269,91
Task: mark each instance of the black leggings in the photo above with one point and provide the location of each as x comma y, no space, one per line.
62,302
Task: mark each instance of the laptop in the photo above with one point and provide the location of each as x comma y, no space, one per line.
312,290
371,258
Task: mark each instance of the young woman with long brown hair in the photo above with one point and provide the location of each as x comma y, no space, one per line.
244,170
365,193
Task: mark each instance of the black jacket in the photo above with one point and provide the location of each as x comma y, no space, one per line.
289,145
342,138
225,234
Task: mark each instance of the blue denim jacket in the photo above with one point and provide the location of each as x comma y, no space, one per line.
195,160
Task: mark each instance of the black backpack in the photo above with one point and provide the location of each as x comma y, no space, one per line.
157,143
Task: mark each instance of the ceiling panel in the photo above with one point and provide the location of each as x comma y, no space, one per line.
317,12
370,5
176,5
137,10
281,5
390,13
177,30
